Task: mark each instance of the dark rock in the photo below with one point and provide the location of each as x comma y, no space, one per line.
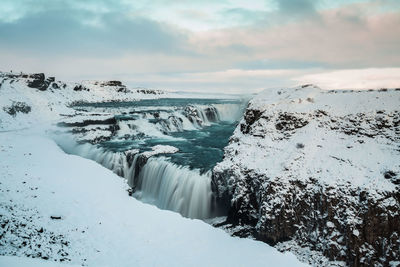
38,81
149,91
113,83
16,107
87,122
212,114
119,87
80,87
344,222
193,115
299,145
392,176
289,122
130,156
250,117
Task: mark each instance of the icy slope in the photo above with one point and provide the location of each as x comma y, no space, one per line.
33,98
319,168
65,208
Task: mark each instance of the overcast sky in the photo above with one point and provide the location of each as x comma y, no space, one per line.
205,45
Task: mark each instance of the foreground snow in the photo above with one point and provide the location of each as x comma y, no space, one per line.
62,207
11,261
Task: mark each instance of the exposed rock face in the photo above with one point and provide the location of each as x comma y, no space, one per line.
117,85
211,114
193,115
86,122
39,81
147,91
35,80
319,169
112,83
17,107
80,87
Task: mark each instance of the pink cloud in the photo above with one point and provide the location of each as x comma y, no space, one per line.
354,78
349,36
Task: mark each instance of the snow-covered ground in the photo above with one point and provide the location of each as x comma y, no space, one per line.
63,209
320,168
47,105
287,139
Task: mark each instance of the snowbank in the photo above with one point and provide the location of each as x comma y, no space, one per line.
79,212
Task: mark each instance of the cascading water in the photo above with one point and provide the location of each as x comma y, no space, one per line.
179,181
175,188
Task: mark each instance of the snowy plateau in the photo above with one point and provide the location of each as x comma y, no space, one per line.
309,176
316,170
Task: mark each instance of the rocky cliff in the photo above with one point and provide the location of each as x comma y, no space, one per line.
318,171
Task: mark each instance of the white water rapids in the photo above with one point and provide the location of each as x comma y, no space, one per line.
156,180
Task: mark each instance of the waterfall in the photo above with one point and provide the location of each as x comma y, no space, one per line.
229,112
121,163
175,188
155,180
220,112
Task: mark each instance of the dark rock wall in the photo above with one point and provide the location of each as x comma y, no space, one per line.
344,222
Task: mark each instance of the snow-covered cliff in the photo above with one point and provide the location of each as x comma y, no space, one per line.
33,98
59,209
308,169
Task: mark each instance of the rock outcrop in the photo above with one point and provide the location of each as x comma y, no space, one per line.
39,81
17,107
315,169
148,91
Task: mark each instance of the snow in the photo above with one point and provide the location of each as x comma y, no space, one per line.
10,261
340,144
160,149
356,232
331,155
103,225
48,105
73,210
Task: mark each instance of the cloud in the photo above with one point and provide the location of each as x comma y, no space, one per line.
78,33
347,37
192,45
75,28
354,78
297,7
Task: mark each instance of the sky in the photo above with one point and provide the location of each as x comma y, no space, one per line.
227,46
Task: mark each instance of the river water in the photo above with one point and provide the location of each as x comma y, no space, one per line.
165,148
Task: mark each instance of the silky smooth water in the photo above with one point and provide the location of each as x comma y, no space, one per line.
181,182
199,148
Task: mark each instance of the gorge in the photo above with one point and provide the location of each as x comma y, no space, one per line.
310,171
